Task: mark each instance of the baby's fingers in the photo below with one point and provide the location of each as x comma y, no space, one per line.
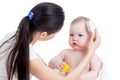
61,64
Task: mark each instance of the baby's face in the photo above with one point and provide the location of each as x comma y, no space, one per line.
79,36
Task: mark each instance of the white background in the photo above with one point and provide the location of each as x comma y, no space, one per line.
105,14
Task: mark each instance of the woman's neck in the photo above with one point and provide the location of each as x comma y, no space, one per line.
35,38
33,41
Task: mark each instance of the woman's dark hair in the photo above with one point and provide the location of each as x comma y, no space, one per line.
48,17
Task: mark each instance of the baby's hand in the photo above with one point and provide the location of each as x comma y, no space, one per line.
61,64
57,63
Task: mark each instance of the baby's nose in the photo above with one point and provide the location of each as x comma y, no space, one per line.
75,38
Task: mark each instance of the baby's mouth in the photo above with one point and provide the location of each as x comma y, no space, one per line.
74,44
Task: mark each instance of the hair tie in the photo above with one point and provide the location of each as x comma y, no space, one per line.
30,15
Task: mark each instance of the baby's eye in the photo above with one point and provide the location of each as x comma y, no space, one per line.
80,35
71,35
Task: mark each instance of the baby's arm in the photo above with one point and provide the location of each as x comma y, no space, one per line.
95,67
57,61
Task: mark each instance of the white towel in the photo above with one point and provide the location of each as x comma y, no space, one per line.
59,72
103,75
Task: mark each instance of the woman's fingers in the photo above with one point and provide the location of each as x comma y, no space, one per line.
97,39
94,41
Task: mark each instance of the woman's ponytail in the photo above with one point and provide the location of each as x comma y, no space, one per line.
18,59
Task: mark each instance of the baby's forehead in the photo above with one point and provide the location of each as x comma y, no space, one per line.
80,25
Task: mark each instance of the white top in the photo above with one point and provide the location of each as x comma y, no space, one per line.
4,53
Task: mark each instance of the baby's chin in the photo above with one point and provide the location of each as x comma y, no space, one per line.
78,48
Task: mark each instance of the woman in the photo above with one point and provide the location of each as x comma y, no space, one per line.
17,56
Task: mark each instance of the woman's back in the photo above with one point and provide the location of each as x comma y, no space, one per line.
4,50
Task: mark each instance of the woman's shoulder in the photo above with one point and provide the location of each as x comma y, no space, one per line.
32,53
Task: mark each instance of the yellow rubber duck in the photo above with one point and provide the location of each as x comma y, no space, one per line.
65,68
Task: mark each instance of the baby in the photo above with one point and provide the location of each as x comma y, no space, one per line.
79,36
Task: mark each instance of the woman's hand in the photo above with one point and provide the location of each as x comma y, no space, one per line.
94,42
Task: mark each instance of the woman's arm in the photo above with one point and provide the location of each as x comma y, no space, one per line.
43,72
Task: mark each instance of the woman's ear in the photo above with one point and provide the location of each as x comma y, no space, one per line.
42,35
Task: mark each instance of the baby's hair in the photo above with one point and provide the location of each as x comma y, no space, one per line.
81,18
85,20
